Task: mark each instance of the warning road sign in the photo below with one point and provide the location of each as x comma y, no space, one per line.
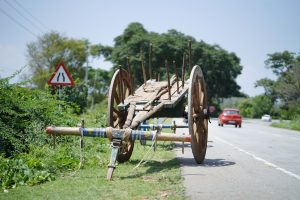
61,76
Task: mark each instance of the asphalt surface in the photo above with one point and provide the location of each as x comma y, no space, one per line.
253,162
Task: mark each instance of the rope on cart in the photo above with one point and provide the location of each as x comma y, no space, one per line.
144,161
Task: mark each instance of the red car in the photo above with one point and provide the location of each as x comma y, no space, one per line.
230,116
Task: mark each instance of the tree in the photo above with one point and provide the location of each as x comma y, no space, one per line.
280,62
49,50
219,66
269,87
288,85
286,65
246,108
262,104
98,81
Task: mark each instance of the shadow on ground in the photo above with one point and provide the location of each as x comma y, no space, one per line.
206,163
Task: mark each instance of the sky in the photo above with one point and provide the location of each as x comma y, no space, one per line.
249,28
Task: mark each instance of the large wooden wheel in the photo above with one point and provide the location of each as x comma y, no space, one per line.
197,112
120,88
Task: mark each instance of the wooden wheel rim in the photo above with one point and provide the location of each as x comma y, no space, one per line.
120,88
197,108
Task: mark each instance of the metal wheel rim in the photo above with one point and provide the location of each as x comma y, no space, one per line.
197,108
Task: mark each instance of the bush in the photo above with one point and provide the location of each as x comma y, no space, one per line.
290,112
25,113
41,164
16,172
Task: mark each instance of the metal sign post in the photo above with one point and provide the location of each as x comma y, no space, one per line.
61,77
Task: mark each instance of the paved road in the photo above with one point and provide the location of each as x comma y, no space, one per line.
252,162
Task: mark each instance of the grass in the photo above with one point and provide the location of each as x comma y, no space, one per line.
158,178
293,124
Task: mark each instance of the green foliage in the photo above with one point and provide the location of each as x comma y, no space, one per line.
220,67
246,108
290,112
76,97
288,85
255,107
24,114
39,165
292,124
16,172
286,89
268,86
280,62
98,82
261,105
96,116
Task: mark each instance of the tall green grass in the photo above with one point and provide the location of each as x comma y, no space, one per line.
292,124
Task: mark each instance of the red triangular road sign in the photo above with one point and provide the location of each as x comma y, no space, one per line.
61,76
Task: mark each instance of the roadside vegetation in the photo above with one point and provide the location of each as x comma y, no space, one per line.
30,167
291,124
282,96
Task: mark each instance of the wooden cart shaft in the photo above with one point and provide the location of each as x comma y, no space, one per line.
122,134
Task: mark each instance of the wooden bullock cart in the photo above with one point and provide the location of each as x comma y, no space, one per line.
129,108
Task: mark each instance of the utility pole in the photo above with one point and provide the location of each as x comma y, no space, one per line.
94,89
86,71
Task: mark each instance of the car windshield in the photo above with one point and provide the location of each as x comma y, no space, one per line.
231,112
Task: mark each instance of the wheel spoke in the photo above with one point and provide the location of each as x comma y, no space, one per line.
197,129
115,116
201,95
116,123
202,100
116,98
115,111
126,94
201,134
196,102
120,88
124,87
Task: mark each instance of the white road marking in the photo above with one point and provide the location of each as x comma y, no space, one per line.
260,159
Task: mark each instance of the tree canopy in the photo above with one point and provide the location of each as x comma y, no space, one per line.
220,67
286,88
